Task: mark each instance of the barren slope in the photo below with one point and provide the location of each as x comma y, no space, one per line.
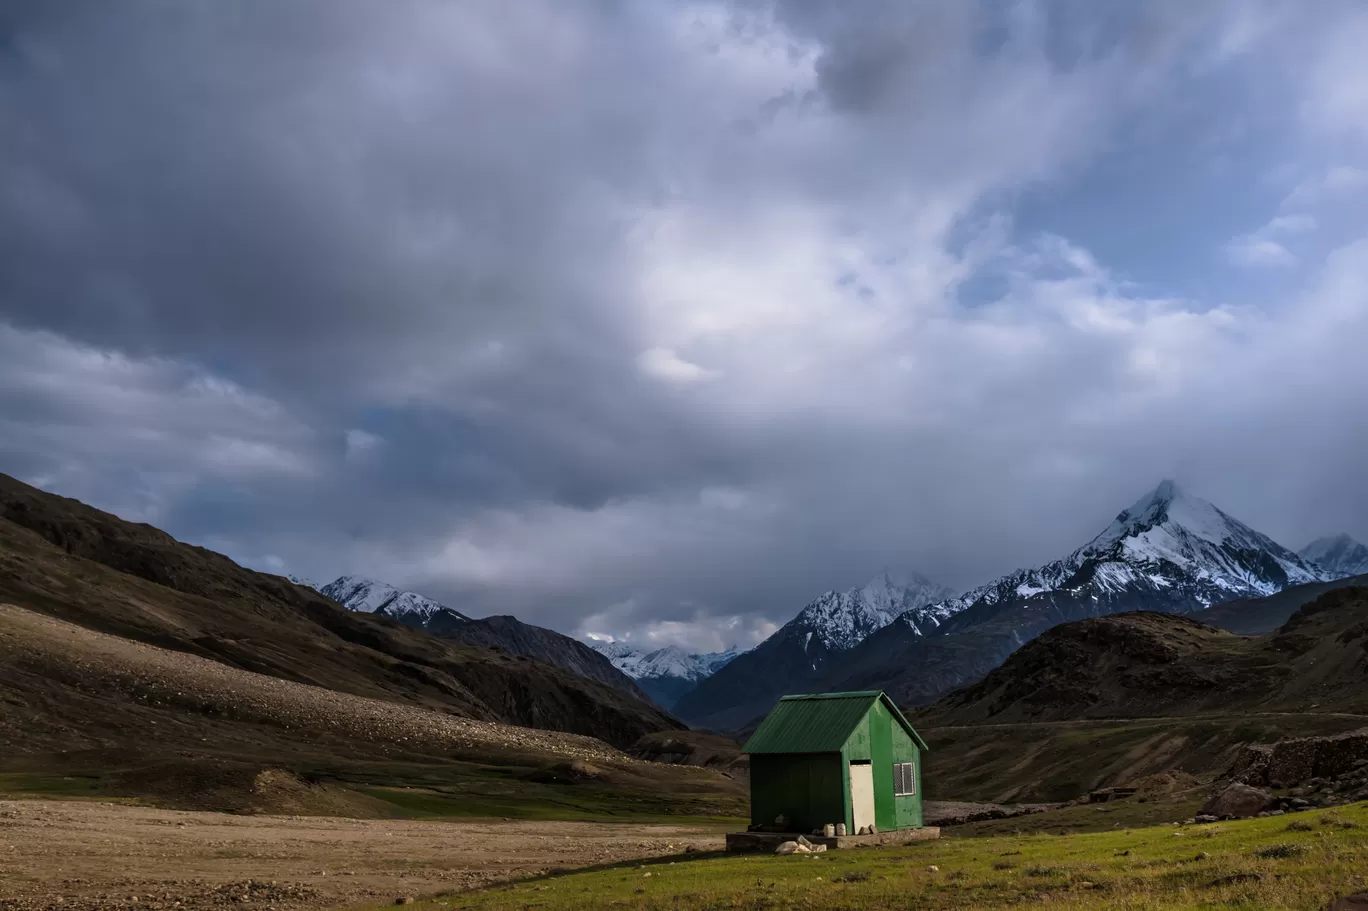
82,676
75,563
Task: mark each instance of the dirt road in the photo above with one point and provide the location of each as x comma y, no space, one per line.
79,856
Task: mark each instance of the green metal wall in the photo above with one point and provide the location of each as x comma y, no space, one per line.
879,739
809,789
907,809
812,789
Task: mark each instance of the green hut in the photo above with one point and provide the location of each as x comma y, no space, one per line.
836,757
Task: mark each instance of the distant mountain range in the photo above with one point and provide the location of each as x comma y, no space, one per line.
666,673
1339,555
369,596
796,658
1170,552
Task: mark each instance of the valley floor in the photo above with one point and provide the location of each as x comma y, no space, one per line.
84,856
1304,862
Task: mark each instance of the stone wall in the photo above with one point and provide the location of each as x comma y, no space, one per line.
1288,763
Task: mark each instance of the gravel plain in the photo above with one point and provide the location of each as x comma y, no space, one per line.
90,856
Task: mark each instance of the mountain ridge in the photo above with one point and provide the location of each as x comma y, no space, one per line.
1144,664
1169,552
72,562
508,633
1338,554
666,673
794,657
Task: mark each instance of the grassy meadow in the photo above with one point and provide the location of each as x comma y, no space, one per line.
1299,861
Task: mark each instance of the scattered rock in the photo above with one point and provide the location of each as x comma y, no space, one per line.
1239,800
933,869
404,900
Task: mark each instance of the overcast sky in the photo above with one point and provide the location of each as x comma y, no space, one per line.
657,319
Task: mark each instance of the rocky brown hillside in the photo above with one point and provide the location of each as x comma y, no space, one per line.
1139,665
69,561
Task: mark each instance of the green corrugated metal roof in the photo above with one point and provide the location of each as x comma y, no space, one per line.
819,723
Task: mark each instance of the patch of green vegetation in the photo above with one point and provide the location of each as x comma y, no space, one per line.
51,787
401,790
1256,863
536,802
1130,813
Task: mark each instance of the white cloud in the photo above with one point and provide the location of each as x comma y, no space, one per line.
664,364
1249,250
361,444
85,413
1338,182
1265,247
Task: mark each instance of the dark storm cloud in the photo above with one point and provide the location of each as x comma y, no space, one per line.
629,313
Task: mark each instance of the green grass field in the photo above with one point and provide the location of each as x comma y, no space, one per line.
1288,862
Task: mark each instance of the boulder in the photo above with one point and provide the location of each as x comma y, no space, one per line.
1239,800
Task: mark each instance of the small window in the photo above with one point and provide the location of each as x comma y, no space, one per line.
904,778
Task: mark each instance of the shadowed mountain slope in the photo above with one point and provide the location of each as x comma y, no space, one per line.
1170,552
1137,665
62,558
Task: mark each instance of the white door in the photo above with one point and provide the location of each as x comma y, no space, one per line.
862,794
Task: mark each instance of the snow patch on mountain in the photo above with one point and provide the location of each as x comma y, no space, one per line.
1339,555
1170,545
842,620
670,661
373,597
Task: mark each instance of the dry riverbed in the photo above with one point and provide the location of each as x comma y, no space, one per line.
81,856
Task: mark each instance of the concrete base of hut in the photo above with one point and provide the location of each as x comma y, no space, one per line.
766,842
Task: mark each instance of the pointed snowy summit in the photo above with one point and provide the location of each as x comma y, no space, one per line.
370,596
1170,550
842,620
1339,555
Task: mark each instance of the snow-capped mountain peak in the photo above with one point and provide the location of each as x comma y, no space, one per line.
842,620
372,597
669,661
1167,504
1339,555
1169,548
1169,531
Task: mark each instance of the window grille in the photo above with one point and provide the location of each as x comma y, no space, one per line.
904,778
